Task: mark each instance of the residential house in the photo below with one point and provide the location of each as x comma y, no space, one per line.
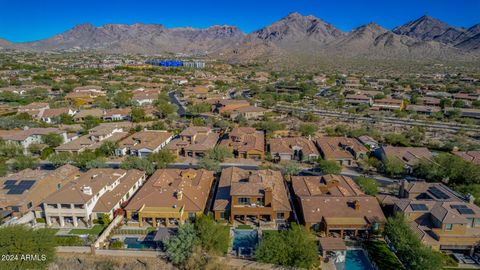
221,106
333,205
28,136
388,104
342,149
95,138
85,94
428,110
170,197
117,114
51,116
144,97
35,109
143,143
368,141
471,156
355,99
258,197
91,195
410,156
442,218
248,113
245,142
293,148
80,115
193,142
24,191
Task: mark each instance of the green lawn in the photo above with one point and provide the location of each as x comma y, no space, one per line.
95,230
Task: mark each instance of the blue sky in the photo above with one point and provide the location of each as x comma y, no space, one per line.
26,20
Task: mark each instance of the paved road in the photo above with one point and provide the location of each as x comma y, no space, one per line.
386,119
182,111
354,174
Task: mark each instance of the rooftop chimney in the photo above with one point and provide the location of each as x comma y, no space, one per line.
179,195
356,205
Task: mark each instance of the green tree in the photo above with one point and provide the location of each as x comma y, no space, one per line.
219,153
138,163
214,237
295,247
24,162
308,129
105,219
138,115
98,162
396,139
117,244
158,125
19,240
329,166
60,159
162,158
122,99
368,185
52,139
290,167
165,108
393,167
90,122
83,159
209,164
198,121
107,149
65,119
179,247
410,250
3,169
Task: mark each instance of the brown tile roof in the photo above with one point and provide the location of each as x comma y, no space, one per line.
408,155
233,181
96,179
46,182
117,111
203,139
327,185
22,134
55,112
143,94
161,190
151,139
341,210
472,156
335,147
92,112
87,142
286,145
245,139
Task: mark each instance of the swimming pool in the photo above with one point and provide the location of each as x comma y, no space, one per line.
244,239
134,243
355,260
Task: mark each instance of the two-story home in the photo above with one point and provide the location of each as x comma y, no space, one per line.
95,138
410,156
91,195
442,218
28,136
24,191
245,142
293,148
257,197
193,142
170,197
143,143
333,205
342,149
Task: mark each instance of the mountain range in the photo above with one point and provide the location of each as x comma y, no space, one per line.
295,34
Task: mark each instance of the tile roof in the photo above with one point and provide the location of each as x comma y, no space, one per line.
335,147
162,188
236,181
287,145
245,139
151,140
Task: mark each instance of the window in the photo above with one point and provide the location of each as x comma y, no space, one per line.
477,222
261,201
244,201
29,205
448,227
280,215
15,209
59,186
223,215
65,206
470,222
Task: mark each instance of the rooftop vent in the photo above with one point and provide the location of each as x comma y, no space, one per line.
87,190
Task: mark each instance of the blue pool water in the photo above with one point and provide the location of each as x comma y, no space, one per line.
133,242
356,260
244,239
